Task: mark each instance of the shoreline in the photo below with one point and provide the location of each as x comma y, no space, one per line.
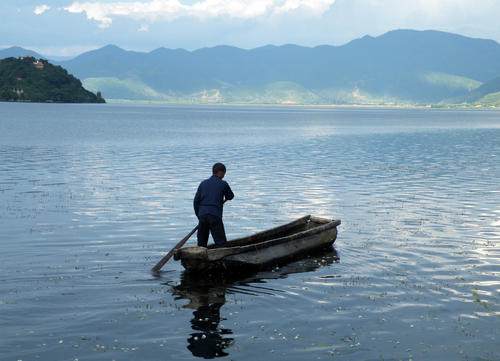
316,106
279,105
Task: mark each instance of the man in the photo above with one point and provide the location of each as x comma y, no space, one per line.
208,203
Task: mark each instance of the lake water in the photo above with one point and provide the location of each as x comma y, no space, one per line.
91,196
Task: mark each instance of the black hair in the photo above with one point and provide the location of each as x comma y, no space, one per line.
218,167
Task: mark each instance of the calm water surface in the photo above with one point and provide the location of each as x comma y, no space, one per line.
92,196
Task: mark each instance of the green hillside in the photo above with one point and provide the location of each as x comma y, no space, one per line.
31,80
115,88
490,87
450,81
273,93
490,100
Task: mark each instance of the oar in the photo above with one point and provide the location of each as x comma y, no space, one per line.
169,255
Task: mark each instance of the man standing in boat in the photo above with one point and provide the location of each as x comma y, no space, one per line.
208,203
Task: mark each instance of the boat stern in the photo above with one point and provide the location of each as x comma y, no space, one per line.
193,258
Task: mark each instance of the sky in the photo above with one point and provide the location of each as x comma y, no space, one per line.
68,27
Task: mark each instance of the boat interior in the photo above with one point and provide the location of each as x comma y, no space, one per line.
297,226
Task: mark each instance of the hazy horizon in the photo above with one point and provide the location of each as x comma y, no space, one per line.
55,56
192,24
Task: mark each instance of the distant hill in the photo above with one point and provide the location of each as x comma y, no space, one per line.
487,94
32,80
489,100
401,66
16,52
492,86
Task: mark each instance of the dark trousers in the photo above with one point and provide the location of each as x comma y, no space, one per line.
213,225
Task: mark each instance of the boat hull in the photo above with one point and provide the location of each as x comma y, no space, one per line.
263,249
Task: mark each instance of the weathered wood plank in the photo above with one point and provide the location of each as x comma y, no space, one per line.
309,233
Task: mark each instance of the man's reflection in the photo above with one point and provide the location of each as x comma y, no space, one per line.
209,339
206,296
212,340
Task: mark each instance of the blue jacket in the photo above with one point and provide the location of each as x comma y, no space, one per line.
210,197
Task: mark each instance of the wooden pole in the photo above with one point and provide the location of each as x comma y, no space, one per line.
169,255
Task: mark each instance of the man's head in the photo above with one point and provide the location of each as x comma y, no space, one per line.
219,170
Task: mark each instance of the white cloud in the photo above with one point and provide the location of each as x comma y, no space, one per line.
40,9
354,18
143,28
104,13
317,7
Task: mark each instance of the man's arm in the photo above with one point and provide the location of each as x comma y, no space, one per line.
228,193
197,200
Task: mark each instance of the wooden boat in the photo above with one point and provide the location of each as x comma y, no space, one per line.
292,240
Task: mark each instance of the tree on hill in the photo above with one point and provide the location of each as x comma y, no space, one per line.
36,80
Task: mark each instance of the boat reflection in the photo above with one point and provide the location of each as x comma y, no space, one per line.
206,296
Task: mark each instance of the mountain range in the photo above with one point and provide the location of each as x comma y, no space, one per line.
401,66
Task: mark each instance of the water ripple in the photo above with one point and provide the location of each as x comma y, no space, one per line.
91,197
